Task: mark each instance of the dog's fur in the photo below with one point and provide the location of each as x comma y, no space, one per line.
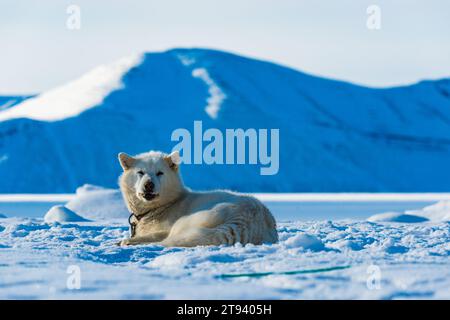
173,215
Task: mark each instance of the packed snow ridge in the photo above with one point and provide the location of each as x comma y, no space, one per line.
73,98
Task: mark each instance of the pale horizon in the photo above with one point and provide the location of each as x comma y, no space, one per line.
329,40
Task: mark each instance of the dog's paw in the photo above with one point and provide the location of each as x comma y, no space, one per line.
124,243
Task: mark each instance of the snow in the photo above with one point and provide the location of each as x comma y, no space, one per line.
350,197
304,241
73,98
61,214
438,212
271,197
331,131
396,217
20,197
374,260
216,95
7,102
413,260
98,203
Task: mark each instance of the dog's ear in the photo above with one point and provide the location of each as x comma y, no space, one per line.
126,161
173,160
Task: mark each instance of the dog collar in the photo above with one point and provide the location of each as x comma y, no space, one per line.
133,224
138,218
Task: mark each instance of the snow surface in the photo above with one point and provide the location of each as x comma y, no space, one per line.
411,259
62,214
98,203
437,212
329,130
7,102
396,217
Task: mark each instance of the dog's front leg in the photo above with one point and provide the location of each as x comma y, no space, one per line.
135,241
151,238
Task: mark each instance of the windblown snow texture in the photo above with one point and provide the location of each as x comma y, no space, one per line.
410,261
334,136
386,259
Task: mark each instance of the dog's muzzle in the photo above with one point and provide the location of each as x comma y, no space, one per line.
149,195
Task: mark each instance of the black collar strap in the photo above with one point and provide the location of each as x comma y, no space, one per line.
133,224
138,218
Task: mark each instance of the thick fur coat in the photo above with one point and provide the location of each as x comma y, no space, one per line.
167,213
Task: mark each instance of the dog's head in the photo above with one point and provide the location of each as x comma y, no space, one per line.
152,179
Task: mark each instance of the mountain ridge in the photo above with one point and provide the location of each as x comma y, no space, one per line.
334,136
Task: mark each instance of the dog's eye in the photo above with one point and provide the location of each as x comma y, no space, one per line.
140,172
160,173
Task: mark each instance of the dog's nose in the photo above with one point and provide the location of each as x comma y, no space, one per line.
149,186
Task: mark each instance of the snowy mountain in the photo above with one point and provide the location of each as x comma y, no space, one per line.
10,101
334,136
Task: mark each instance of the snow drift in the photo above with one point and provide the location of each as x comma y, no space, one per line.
396,217
62,214
98,203
438,212
334,136
413,260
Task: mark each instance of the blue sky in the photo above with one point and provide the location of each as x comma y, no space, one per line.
327,38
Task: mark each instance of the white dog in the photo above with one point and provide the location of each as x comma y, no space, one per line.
167,213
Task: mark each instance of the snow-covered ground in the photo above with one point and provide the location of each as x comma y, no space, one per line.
376,259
